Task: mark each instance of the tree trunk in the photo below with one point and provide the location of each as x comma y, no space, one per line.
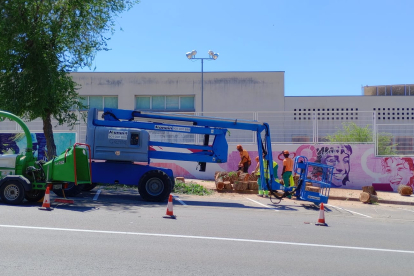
368,198
50,141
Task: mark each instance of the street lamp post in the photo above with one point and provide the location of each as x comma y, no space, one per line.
212,56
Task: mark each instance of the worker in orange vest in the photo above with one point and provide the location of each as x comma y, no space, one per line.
245,160
287,169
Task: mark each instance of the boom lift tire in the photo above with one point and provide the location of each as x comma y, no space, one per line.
34,195
155,186
71,191
12,192
88,187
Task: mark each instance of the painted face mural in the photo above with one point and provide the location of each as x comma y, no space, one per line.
338,157
398,171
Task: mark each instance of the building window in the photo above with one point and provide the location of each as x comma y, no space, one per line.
100,102
165,103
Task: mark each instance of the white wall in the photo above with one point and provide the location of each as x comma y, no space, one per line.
223,91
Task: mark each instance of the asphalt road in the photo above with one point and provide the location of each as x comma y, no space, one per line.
118,234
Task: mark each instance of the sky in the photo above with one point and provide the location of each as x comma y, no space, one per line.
325,47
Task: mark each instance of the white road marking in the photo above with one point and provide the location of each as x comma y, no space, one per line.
209,238
97,194
262,204
348,210
179,200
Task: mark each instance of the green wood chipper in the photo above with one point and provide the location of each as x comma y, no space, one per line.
25,177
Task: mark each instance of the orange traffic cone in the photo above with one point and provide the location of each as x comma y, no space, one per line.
321,220
169,213
46,201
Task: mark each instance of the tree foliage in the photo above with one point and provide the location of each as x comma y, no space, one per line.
41,42
352,133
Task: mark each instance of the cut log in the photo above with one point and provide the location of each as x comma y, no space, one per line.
240,185
252,177
232,177
253,185
243,177
312,189
368,198
219,183
369,189
405,190
216,175
227,185
180,179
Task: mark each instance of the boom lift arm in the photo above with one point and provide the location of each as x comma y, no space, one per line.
109,140
207,126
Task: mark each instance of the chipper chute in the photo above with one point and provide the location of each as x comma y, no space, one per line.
71,166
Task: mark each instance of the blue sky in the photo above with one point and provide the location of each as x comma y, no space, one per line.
325,47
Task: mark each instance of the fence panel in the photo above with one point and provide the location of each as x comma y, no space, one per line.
235,135
331,123
395,139
289,127
286,127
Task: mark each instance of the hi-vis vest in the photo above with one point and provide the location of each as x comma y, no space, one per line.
266,168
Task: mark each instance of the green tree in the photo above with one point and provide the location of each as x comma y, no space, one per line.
352,133
41,42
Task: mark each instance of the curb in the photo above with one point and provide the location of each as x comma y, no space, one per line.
380,201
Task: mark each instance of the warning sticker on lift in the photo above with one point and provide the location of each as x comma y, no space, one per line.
118,134
314,197
184,129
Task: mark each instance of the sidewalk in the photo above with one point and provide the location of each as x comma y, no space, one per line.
335,194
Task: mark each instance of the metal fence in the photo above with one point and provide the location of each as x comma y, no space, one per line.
394,139
285,128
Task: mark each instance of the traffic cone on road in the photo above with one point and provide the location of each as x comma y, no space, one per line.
46,201
321,220
169,213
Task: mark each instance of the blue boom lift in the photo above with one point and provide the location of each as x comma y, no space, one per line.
121,141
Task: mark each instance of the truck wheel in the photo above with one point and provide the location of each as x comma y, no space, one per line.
71,191
154,186
12,192
88,187
34,195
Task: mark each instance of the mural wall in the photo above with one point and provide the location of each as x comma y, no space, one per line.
15,143
355,165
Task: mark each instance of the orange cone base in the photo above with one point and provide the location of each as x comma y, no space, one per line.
321,224
170,217
46,208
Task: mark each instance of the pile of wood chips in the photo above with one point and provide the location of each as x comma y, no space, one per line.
368,195
235,181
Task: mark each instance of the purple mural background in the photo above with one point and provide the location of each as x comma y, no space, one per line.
355,165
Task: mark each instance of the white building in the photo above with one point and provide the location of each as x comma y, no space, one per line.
256,96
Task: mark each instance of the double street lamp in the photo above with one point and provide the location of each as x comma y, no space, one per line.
211,56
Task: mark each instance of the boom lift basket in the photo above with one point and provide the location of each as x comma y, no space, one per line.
314,180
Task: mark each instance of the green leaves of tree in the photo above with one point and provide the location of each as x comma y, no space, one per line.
352,133
41,42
